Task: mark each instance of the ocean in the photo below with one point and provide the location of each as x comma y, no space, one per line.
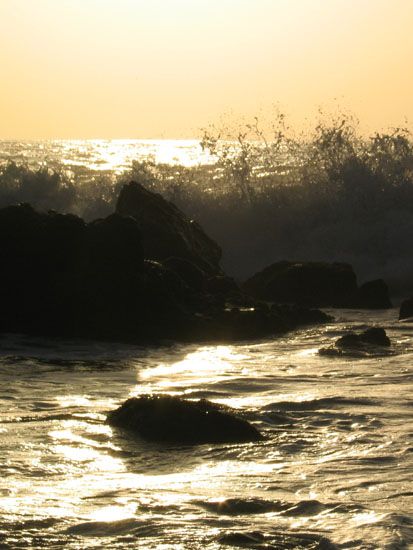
336,467
334,472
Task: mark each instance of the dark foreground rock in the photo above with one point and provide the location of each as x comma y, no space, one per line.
63,277
406,309
166,230
317,284
170,419
372,342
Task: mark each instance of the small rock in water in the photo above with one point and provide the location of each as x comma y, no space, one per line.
375,336
170,419
358,344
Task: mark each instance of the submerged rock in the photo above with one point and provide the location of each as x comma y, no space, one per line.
406,309
170,419
166,230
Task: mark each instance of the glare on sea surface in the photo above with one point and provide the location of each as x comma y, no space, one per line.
116,155
206,365
113,513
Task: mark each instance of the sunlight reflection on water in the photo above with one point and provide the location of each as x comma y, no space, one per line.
336,460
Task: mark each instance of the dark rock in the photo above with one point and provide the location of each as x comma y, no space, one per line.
39,252
222,285
171,419
62,277
247,324
166,231
375,336
371,342
114,246
373,295
406,309
190,273
316,284
295,316
304,283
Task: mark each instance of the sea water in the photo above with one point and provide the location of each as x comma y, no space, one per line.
335,469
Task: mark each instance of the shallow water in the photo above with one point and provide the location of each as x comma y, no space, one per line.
334,472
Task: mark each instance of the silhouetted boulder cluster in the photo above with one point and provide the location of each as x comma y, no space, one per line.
148,276
149,273
317,284
171,419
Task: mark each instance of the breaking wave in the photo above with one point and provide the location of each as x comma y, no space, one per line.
333,195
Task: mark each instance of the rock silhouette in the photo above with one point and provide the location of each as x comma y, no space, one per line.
317,284
371,342
64,277
166,231
171,419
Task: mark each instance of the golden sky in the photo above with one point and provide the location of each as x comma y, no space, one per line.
166,68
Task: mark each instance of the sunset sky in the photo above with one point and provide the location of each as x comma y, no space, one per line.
166,68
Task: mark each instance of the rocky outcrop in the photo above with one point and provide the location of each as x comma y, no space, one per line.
316,284
406,309
166,231
170,419
63,277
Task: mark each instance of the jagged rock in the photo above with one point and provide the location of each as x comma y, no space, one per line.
304,283
171,419
406,309
166,231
